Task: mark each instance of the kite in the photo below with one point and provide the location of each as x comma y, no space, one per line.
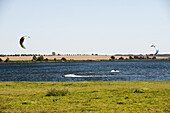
22,40
156,48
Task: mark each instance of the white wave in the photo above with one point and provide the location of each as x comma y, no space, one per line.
114,71
73,75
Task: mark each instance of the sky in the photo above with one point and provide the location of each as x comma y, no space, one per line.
85,26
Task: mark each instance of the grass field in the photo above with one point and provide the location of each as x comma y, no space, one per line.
97,96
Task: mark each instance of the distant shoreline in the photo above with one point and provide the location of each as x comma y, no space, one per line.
79,58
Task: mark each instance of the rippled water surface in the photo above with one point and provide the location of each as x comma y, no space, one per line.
141,70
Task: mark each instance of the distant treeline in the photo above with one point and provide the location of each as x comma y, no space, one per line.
132,57
2,55
38,58
22,55
47,55
141,55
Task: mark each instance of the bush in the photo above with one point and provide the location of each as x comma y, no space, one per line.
141,57
121,58
40,58
55,92
147,57
1,60
139,91
55,59
46,59
154,57
64,59
120,103
7,60
135,57
34,58
26,103
130,57
112,57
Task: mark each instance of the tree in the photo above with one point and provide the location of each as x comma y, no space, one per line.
40,58
34,58
46,59
141,57
154,57
121,58
130,57
147,57
135,57
7,60
64,59
53,53
112,57
1,60
55,59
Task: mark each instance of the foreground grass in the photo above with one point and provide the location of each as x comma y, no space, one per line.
98,96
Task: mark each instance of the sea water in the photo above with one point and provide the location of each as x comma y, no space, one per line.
128,70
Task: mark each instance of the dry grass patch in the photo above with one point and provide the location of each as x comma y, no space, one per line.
57,92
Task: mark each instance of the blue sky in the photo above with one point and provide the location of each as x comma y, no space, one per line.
85,26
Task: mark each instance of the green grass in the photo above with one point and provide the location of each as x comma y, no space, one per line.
97,96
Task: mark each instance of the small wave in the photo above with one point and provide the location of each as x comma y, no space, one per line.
114,71
73,75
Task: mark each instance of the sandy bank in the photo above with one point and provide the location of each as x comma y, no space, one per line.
79,57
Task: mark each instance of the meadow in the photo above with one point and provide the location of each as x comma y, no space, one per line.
85,96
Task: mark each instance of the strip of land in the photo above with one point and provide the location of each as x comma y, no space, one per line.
78,57
87,96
